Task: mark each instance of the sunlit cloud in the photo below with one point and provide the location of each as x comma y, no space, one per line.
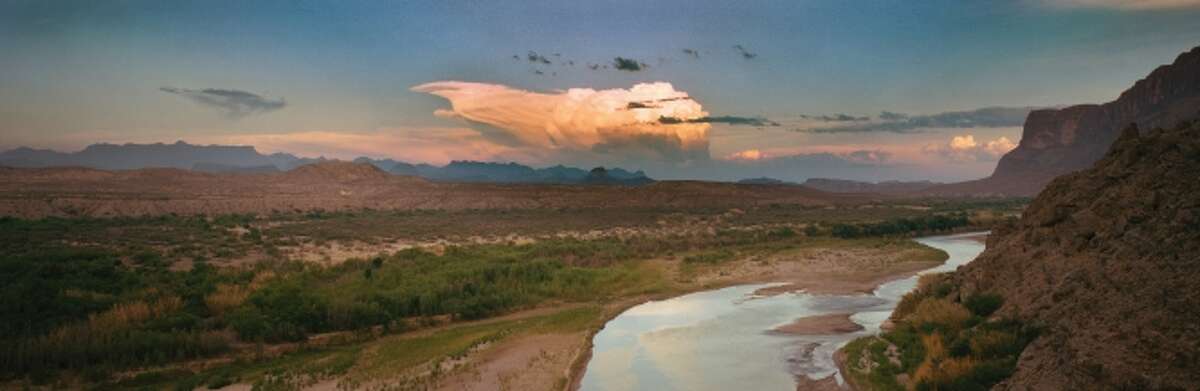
582,119
853,157
965,149
747,155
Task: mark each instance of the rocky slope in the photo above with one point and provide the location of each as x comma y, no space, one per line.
1059,141
1107,260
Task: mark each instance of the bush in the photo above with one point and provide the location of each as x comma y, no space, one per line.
984,304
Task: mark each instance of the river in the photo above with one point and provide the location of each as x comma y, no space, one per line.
719,339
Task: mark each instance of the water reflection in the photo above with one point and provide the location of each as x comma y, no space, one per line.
717,340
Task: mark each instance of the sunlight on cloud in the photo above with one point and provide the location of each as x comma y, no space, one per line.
964,149
749,154
613,121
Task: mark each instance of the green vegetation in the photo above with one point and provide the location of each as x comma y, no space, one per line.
903,226
940,344
91,297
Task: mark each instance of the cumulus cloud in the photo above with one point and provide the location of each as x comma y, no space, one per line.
965,149
1124,4
988,117
234,103
582,119
747,155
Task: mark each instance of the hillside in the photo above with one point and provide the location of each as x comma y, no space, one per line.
1107,261
1093,288
1060,141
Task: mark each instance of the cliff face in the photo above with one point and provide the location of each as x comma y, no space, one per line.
1060,141
1108,261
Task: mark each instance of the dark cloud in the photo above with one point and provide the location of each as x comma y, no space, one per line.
725,119
652,104
235,103
628,64
745,53
692,53
536,58
836,118
652,147
988,117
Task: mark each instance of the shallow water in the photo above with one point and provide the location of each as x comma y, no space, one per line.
719,340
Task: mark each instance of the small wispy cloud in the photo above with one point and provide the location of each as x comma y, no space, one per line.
628,64
836,118
234,103
724,119
745,53
536,58
988,117
1124,4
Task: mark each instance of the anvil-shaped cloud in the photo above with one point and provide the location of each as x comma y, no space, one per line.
620,122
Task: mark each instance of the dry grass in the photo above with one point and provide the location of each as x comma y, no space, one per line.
226,297
939,313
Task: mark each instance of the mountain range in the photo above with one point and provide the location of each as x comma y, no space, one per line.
245,159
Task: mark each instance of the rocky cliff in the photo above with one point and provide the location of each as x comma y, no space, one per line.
1107,261
1060,141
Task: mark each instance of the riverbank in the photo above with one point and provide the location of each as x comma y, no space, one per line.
677,342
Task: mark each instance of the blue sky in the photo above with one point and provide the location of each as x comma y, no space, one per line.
88,71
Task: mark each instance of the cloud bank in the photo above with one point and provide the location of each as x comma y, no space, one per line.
234,103
617,122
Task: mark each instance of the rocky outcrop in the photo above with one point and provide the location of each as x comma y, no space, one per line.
1107,261
1060,141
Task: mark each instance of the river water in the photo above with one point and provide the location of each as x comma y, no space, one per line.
719,339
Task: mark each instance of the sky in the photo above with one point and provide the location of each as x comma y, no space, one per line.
717,90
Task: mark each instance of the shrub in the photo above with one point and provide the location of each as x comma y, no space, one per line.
939,314
983,304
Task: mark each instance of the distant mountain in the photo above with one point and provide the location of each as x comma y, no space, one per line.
765,181
885,187
245,159
1059,141
132,156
